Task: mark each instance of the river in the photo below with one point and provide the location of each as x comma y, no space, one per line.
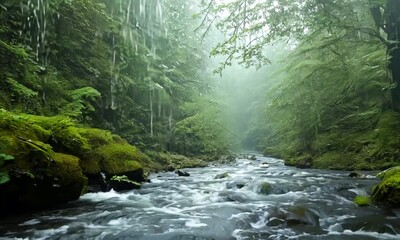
259,199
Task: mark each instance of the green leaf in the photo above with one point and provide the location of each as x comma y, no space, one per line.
4,177
6,157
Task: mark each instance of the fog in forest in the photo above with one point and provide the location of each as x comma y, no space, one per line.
200,119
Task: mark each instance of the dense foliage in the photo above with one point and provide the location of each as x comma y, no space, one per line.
126,66
330,103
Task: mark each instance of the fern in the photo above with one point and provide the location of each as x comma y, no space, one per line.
81,102
20,91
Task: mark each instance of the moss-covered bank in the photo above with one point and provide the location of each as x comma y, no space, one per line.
367,142
388,190
54,158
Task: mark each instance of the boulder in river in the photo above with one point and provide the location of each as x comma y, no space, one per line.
302,215
388,190
264,188
294,216
357,175
236,184
252,157
264,165
354,175
222,175
182,173
122,183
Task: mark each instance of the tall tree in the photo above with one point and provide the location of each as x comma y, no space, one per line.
392,27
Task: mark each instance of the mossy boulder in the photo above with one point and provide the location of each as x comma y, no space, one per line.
170,162
40,178
120,159
264,188
54,160
388,190
222,175
122,183
362,201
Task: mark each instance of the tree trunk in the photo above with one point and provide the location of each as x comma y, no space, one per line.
393,31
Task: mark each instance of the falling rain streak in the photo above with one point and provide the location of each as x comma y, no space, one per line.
35,28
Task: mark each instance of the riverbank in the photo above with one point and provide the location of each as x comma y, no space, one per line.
47,161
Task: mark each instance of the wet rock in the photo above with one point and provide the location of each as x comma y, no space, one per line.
379,224
388,190
264,188
222,175
264,165
273,222
293,217
97,182
233,196
122,183
235,184
170,168
252,157
302,215
182,173
46,184
354,175
304,163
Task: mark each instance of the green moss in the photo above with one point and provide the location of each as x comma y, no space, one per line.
68,169
21,126
388,190
96,137
174,161
124,178
362,201
118,158
389,172
333,160
68,139
264,188
33,140
121,183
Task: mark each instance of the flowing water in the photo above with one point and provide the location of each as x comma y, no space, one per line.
295,204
